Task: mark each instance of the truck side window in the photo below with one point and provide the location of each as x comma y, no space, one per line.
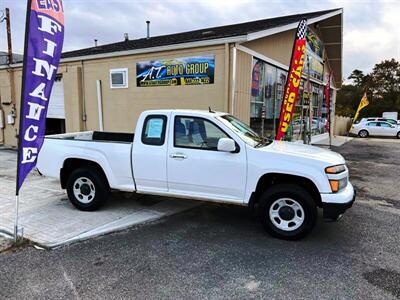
154,130
196,133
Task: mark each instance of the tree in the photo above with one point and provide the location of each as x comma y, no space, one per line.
386,81
357,77
382,86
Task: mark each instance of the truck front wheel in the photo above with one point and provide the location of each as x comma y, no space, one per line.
287,211
87,189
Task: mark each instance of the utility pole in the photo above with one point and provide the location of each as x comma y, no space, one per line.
10,58
9,42
11,75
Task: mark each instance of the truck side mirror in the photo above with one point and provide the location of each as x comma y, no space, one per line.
226,145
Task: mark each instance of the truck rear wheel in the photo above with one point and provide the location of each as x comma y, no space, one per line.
87,189
287,211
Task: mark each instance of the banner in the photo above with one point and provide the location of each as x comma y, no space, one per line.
195,70
255,79
327,98
44,36
363,103
293,80
314,44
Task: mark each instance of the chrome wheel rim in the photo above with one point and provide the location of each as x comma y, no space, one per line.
286,214
363,134
84,190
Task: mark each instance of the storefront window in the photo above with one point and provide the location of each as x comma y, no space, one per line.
267,92
257,90
268,83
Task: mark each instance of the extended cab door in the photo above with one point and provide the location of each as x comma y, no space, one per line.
196,168
149,153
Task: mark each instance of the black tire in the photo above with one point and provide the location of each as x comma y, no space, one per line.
363,133
91,181
299,195
398,135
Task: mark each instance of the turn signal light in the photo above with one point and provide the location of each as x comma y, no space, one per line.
335,169
334,185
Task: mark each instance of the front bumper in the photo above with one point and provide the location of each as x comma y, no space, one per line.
335,204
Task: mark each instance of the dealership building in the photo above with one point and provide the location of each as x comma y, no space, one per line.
240,69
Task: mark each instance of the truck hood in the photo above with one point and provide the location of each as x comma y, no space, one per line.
304,151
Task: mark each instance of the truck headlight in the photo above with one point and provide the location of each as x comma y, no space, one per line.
337,185
335,169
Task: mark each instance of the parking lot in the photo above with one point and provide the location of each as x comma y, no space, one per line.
220,251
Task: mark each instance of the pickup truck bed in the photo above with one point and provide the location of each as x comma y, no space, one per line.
112,150
102,136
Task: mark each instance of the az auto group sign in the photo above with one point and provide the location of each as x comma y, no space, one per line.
44,38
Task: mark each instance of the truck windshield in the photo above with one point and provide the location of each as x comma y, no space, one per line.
248,135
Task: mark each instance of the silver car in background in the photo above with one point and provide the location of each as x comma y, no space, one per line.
376,128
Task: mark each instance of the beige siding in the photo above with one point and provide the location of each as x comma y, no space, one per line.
122,107
243,86
278,46
8,134
73,97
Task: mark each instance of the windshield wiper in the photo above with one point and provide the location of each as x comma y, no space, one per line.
264,142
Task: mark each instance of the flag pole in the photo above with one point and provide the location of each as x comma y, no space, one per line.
21,111
327,94
310,104
16,219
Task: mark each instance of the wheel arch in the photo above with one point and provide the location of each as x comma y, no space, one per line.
270,179
71,164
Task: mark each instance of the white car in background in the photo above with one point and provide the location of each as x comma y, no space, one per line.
376,128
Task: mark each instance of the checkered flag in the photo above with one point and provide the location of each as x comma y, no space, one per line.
302,29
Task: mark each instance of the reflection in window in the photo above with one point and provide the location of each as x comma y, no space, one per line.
267,90
196,133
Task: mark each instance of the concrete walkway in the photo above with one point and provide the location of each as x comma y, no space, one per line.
48,218
336,141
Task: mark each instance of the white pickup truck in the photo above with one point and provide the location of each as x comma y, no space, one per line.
203,155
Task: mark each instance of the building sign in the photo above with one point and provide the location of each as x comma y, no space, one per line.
314,44
44,38
196,70
292,86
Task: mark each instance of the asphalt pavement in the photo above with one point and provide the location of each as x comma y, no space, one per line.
220,251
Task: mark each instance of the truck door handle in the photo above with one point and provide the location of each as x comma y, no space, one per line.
178,155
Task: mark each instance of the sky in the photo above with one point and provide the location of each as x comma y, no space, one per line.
370,33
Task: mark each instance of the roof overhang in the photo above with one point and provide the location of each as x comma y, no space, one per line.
275,30
330,27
